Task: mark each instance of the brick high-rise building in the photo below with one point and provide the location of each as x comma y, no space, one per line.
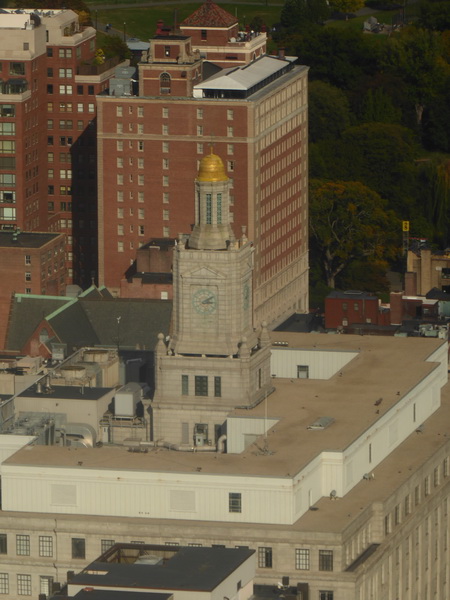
150,143
47,127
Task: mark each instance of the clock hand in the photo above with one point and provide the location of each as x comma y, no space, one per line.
208,300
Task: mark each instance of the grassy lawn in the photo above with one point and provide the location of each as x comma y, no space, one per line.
141,21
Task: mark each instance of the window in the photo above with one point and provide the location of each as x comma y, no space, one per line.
166,215
165,197
397,515
199,113
24,585
325,560
140,196
78,548
416,495
3,543
7,147
427,486
7,128
201,385
50,52
230,148
65,89
140,146
90,90
230,132
50,206
4,583
204,34
141,230
165,180
234,502
199,129
164,83
119,246
45,545
7,110
185,385
64,73
436,477
387,524
106,545
166,50
17,68
46,585
230,165
230,115
140,111
165,129
199,148
80,90
326,595
165,112
217,387
265,558
7,179
302,559
407,504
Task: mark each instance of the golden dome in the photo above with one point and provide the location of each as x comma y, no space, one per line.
211,169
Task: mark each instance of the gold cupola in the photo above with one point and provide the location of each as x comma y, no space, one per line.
211,169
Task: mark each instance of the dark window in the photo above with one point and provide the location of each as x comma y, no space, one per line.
90,90
50,88
50,140
204,34
78,548
106,545
217,387
325,560
185,385
17,68
265,558
51,191
3,543
51,206
50,52
7,110
167,50
325,595
80,90
164,83
50,72
234,502
201,385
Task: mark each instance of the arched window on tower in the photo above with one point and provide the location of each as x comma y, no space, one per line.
164,83
209,209
219,209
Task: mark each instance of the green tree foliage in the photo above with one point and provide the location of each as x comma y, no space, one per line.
113,45
417,55
434,15
347,6
337,56
378,107
348,221
329,112
300,14
75,5
434,177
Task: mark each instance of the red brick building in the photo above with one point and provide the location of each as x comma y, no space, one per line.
150,142
31,263
345,309
48,141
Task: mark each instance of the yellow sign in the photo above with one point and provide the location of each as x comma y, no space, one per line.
405,225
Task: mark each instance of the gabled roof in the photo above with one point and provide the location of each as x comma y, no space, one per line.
209,15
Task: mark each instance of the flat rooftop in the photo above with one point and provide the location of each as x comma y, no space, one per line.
66,392
386,368
163,567
10,239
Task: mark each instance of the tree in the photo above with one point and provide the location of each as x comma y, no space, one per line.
348,221
377,106
417,56
113,45
347,6
300,14
328,111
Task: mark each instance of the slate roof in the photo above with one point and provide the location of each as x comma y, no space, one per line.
27,312
90,320
209,15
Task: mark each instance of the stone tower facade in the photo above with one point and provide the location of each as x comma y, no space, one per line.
216,358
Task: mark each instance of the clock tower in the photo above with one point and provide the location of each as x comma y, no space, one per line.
217,359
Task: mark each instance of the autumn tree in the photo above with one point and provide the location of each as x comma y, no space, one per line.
349,221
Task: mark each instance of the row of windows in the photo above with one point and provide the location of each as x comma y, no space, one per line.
164,127
395,519
69,107
64,190
201,387
302,559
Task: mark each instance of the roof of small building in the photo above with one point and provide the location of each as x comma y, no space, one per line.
182,568
26,239
352,295
91,594
210,15
66,392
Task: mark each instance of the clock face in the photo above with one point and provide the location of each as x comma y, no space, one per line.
246,295
204,301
